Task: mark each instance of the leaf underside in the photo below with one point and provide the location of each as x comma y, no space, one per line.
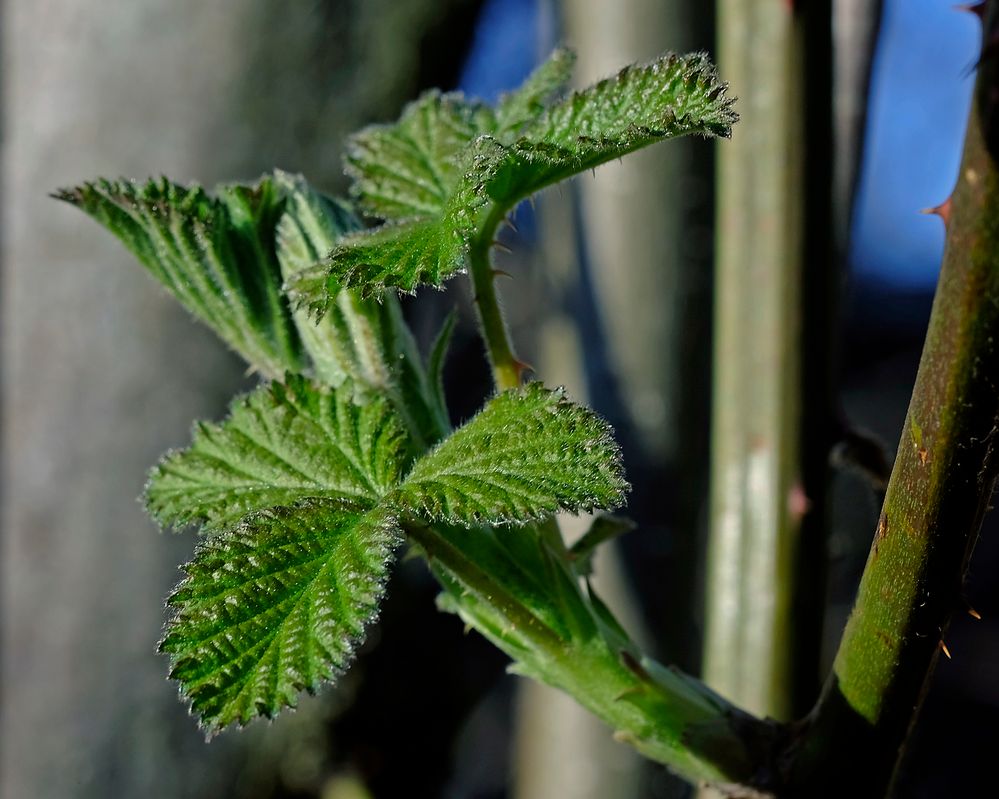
215,254
276,606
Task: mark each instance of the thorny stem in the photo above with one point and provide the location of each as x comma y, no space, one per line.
939,491
506,368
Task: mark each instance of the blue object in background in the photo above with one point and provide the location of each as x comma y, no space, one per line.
511,38
918,107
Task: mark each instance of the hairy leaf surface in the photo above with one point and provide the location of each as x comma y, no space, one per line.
526,103
276,606
528,453
365,340
408,170
451,167
281,444
403,255
216,255
309,228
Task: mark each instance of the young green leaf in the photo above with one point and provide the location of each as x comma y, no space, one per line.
408,170
672,96
526,103
281,444
276,606
215,255
309,228
450,169
365,340
528,453
403,255
605,527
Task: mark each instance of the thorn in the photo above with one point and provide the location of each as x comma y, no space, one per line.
798,503
521,367
974,614
501,273
510,224
944,649
942,210
499,245
978,9
531,201
635,691
631,663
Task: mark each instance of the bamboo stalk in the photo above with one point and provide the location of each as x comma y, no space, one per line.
755,441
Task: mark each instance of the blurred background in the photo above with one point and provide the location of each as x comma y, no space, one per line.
612,295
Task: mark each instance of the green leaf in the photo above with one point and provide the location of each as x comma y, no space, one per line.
276,606
367,340
408,170
307,232
605,527
216,255
450,169
672,96
526,103
528,453
281,444
402,255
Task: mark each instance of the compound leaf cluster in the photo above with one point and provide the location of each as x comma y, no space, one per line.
451,167
303,488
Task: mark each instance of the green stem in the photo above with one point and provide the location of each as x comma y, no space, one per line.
940,488
666,715
506,367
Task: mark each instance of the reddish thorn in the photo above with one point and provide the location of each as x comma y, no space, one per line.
978,9
974,614
499,245
521,367
944,649
502,273
942,210
798,503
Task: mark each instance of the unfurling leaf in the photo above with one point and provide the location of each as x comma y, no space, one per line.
605,527
281,444
276,606
529,453
405,254
365,340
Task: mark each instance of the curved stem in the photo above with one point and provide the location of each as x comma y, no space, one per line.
506,368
